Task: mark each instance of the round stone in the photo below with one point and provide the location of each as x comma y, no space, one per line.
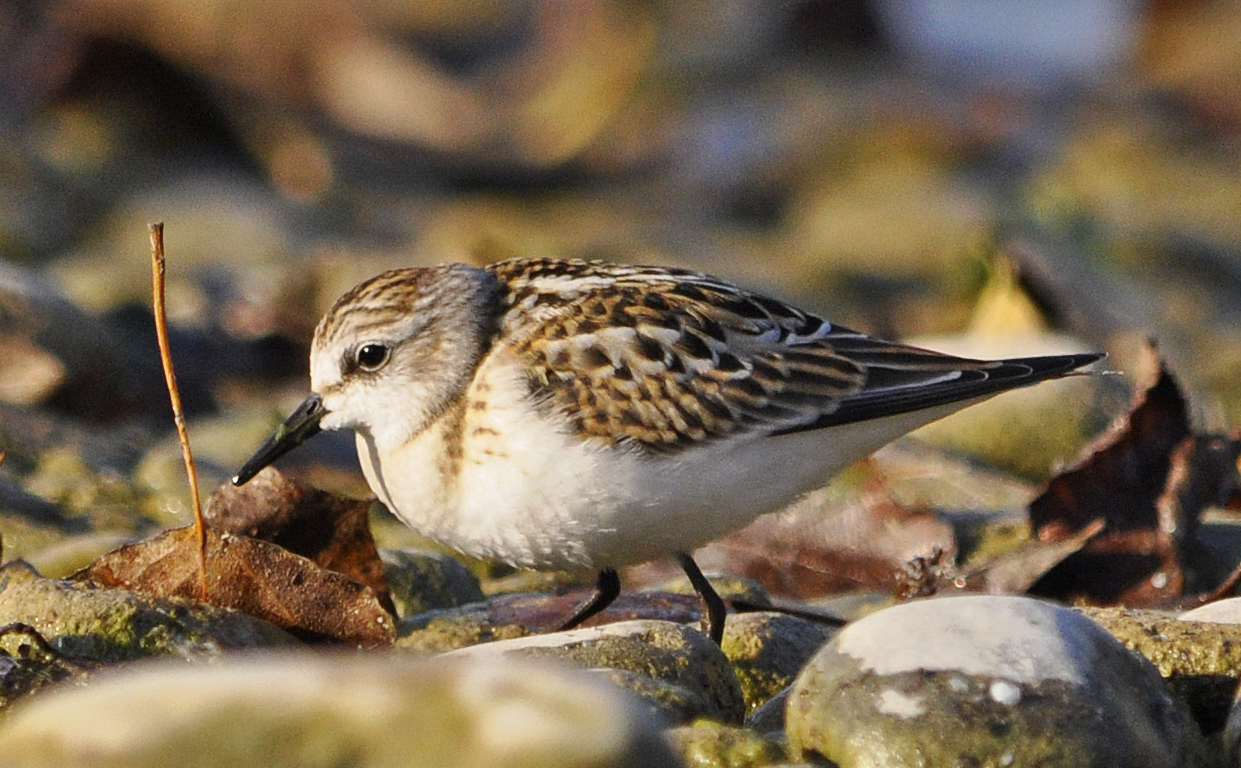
986,680
319,710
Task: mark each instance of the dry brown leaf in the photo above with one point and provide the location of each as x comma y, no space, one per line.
1119,476
823,546
331,530
1131,568
1203,472
252,576
1013,573
1149,478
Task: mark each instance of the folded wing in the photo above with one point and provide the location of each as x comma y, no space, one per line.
665,360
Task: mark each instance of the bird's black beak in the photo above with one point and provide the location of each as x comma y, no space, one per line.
301,425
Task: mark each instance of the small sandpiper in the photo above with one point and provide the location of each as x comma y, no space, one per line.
586,415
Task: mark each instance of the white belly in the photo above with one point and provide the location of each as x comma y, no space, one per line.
524,491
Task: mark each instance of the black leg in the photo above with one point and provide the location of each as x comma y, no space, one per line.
713,609
606,590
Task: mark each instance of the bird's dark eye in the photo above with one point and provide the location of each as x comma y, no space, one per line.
372,356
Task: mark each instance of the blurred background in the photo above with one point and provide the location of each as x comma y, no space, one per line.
1025,173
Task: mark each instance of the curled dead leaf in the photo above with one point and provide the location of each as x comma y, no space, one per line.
1119,476
333,531
1149,478
256,577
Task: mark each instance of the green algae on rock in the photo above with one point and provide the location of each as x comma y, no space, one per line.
109,625
767,650
659,649
987,680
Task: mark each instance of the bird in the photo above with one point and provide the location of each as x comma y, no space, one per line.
588,415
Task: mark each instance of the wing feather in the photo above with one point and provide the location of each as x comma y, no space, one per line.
666,359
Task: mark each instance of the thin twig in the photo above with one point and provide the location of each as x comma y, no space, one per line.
3,455
170,378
